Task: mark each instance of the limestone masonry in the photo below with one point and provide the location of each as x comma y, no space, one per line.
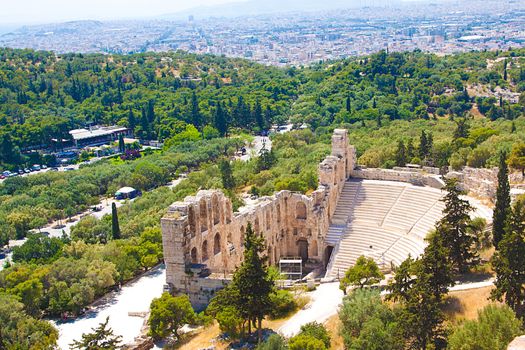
203,237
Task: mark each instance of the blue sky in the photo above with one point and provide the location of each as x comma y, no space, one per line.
45,11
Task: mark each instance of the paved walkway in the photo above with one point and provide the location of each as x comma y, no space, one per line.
327,298
256,146
134,297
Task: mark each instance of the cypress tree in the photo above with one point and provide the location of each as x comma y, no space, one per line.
121,144
423,145
401,156
253,281
257,115
509,262
348,105
220,120
228,182
502,207
115,228
195,112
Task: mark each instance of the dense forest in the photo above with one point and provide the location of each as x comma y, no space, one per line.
398,108
43,95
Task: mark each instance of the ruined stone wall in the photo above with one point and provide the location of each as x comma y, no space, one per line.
479,182
414,177
203,229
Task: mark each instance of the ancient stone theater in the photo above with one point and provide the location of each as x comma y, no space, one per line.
380,213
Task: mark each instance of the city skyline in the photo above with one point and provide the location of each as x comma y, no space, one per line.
39,12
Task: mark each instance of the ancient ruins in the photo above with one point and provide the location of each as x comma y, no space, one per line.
384,214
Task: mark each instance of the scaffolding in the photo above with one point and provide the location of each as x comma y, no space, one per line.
291,267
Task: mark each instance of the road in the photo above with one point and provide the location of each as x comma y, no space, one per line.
256,146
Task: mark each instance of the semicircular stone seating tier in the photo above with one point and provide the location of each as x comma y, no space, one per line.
383,220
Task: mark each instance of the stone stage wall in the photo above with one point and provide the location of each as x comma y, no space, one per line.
204,230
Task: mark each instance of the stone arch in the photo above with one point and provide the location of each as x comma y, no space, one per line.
217,244
278,210
192,221
314,248
203,213
257,226
242,232
193,255
216,209
300,211
228,213
205,250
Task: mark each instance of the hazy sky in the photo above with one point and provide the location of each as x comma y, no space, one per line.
45,11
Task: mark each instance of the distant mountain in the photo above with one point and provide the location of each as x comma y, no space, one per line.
257,7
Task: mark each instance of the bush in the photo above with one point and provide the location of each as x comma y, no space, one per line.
318,331
306,342
283,304
494,329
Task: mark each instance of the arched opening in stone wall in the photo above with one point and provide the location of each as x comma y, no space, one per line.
327,254
216,209
268,220
203,212
278,209
242,233
314,249
227,214
217,244
204,250
192,221
257,226
302,247
300,211
194,255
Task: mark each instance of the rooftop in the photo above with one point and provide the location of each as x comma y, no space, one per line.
82,134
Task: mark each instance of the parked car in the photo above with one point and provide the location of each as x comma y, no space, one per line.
44,166
27,171
21,171
35,167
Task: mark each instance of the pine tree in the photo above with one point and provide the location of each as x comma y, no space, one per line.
462,129
401,156
454,227
115,228
502,207
102,337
